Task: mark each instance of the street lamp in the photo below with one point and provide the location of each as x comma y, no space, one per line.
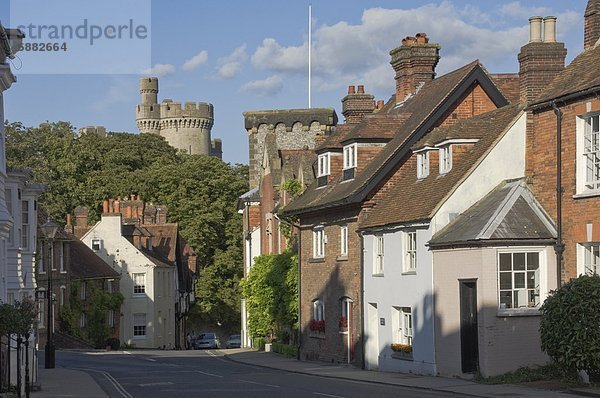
49,229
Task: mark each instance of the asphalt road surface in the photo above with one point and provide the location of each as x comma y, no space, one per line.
149,374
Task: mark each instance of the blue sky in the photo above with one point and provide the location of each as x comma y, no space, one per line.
252,54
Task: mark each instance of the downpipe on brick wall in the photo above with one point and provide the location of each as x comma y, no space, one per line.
559,247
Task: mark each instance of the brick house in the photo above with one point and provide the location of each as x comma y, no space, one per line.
358,165
562,151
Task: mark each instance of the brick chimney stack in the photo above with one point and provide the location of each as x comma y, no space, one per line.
541,59
591,24
357,104
414,62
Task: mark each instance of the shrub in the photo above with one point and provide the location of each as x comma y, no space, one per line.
285,349
259,343
114,343
397,347
570,325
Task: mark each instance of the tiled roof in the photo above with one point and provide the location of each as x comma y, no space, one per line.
509,213
85,264
377,127
412,199
164,240
335,139
424,108
581,75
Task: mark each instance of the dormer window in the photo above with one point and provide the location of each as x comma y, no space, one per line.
323,168
349,161
422,164
445,159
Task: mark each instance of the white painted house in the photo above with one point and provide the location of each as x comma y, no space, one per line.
451,169
148,283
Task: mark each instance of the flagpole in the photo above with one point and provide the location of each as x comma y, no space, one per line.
309,52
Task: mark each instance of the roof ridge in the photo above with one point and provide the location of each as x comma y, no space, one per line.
501,211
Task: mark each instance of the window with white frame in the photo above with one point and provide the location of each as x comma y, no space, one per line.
319,242
396,325
96,244
111,318
41,312
591,258
519,280
9,206
379,251
139,325
82,291
61,257
344,240
139,283
41,263
445,159
410,251
323,165
318,310
109,285
407,326
25,224
350,156
82,320
588,150
62,295
422,164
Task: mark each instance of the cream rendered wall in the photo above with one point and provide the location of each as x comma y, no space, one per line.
398,289
505,161
505,342
124,257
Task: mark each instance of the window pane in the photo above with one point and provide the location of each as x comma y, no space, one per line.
506,299
533,261
519,280
519,261
505,262
532,279
505,280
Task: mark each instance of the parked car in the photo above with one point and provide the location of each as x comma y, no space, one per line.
207,340
235,341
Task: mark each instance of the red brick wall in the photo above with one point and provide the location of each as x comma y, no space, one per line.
330,279
364,156
541,170
474,102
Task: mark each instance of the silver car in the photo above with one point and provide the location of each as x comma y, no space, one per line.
207,340
235,341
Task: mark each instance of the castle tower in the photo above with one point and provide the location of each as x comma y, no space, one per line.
186,127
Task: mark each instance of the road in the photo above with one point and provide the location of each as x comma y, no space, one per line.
149,374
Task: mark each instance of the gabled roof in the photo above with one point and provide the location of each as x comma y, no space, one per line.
164,240
412,199
334,140
510,213
85,264
377,127
425,109
581,77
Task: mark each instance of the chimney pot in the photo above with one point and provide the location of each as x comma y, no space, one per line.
132,196
361,89
105,206
380,104
351,90
117,206
550,30
535,29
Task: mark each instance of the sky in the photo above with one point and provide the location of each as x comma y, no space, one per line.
243,55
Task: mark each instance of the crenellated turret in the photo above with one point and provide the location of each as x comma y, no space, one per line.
186,127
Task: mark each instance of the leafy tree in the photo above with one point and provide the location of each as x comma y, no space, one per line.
271,292
201,193
570,325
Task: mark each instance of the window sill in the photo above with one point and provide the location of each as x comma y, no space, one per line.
402,356
316,260
63,272
381,275
410,273
518,312
317,335
584,195
341,258
139,337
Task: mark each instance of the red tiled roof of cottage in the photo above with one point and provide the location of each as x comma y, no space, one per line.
412,199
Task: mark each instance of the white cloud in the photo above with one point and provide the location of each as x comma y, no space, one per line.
264,88
231,65
160,70
195,61
346,53
515,9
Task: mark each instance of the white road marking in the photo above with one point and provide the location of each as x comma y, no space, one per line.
259,384
112,380
160,383
149,359
327,395
208,374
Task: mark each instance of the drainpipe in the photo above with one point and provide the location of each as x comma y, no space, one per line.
362,301
559,247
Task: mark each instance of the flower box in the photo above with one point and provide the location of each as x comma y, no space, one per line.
317,326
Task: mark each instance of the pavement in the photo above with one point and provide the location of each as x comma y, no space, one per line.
62,382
